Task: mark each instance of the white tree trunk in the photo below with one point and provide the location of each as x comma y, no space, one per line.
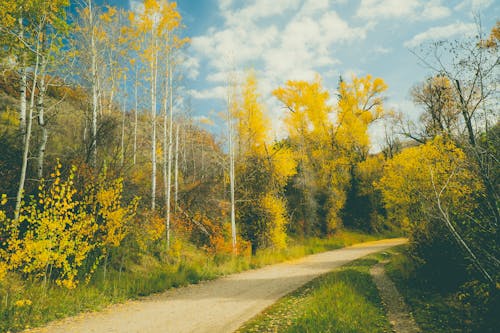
135,113
124,107
176,176
41,120
27,137
231,169
170,141
153,120
93,56
24,84
112,74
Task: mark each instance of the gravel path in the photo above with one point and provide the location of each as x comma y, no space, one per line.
397,311
220,305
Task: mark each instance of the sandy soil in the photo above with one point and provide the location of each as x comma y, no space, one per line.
218,306
397,311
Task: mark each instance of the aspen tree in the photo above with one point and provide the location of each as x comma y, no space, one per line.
231,105
32,18
94,80
148,24
169,21
176,175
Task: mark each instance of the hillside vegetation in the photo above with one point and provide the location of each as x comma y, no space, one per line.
109,189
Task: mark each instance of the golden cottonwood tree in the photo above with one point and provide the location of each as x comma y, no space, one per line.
360,104
328,142
262,171
309,127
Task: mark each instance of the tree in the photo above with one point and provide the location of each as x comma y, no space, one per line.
430,189
328,149
263,170
35,25
440,116
90,38
231,105
471,68
309,129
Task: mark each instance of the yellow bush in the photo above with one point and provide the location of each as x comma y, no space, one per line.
276,209
57,230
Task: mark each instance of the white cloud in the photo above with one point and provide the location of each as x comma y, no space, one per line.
294,47
415,10
218,92
380,9
381,50
481,4
441,33
192,67
258,9
474,4
218,77
434,10
296,41
225,4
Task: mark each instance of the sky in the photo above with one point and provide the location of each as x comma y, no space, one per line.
299,39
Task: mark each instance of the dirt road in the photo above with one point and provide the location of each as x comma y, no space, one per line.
216,306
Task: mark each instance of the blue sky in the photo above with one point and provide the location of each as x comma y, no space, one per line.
298,39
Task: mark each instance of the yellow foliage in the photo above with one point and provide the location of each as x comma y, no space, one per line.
58,233
9,118
283,163
421,174
3,270
369,171
22,303
359,105
252,124
308,107
275,207
113,218
57,230
263,170
325,148
493,40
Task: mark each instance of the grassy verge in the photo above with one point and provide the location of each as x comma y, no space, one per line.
434,310
25,304
345,300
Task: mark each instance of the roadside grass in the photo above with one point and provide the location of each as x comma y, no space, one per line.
26,304
345,300
434,310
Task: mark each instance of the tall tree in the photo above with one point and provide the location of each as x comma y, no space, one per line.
263,169
35,25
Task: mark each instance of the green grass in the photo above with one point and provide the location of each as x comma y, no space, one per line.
434,310
146,277
345,300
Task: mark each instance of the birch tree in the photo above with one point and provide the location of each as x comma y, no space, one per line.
170,21
88,31
231,110
148,24
38,23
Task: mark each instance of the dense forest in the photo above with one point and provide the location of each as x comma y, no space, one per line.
101,169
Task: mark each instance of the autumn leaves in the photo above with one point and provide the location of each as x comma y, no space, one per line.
307,174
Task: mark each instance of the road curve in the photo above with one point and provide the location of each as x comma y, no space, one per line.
220,305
